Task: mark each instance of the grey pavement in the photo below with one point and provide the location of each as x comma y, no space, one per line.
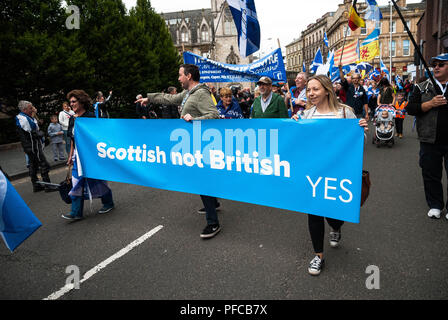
262,253
13,162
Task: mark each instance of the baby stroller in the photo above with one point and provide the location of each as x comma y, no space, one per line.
384,121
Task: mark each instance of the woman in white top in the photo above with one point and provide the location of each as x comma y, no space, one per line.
323,104
64,117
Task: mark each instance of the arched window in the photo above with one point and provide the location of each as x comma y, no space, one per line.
184,34
204,34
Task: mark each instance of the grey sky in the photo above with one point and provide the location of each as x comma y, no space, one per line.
281,19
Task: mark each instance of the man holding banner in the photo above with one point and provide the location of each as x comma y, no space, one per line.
196,104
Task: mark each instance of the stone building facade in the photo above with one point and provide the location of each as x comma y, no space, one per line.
208,32
313,38
294,55
335,25
432,34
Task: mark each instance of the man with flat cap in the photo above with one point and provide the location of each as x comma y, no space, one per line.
430,109
268,104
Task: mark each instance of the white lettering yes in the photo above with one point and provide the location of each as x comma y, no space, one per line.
329,191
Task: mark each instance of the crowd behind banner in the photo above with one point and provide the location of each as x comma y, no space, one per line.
241,104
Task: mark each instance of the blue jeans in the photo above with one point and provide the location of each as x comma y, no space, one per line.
210,204
78,204
67,142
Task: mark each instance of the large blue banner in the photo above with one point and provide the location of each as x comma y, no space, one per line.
271,66
309,166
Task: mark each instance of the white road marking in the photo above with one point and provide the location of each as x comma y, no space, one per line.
68,287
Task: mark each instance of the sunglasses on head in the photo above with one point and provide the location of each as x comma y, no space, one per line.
440,64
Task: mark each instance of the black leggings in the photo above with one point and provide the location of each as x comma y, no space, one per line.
399,125
316,225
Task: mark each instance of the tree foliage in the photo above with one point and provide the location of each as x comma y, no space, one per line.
113,49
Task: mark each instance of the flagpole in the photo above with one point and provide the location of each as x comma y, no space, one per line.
390,41
417,49
343,45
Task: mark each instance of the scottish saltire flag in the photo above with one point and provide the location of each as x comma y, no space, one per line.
384,69
327,68
399,82
17,222
317,62
303,67
364,66
370,47
326,39
335,74
373,12
246,21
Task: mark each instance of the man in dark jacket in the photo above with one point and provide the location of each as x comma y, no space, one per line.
31,139
431,111
356,95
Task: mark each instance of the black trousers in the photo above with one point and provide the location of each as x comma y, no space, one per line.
316,226
210,204
399,125
38,161
433,157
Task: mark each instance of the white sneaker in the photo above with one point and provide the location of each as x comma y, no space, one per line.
434,213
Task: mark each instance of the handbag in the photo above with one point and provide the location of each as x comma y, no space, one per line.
365,187
65,187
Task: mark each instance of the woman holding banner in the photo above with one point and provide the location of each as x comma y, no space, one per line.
83,187
322,103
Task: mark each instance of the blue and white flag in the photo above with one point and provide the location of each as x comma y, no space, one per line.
349,68
326,39
211,157
399,82
246,21
374,74
317,62
373,12
271,66
364,66
17,222
303,67
384,69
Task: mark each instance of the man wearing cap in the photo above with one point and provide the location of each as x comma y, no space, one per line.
430,108
268,104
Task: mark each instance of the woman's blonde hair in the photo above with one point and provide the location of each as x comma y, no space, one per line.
225,91
326,83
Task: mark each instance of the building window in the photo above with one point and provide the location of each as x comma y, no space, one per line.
230,28
393,48
406,48
184,35
363,31
347,31
204,34
393,27
408,23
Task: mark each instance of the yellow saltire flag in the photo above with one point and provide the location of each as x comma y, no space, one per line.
369,51
370,47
